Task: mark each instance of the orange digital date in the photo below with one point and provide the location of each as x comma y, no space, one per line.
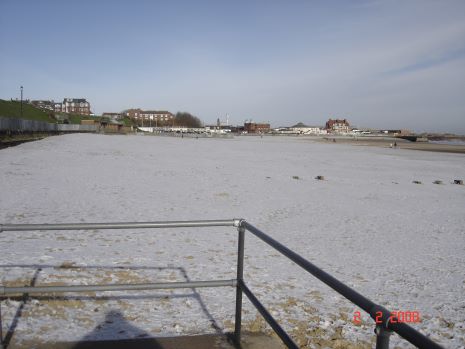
396,317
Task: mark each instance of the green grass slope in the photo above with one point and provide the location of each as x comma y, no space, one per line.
12,109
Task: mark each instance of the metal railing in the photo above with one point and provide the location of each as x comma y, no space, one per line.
383,330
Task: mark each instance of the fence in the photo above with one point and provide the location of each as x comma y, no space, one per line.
383,330
23,125
76,128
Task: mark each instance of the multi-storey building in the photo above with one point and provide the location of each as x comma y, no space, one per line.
337,126
133,113
252,127
57,107
76,106
161,116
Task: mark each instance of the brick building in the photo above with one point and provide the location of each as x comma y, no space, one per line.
159,116
252,127
337,126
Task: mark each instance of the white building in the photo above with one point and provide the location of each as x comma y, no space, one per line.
308,130
75,106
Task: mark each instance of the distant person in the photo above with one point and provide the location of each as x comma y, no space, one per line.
395,144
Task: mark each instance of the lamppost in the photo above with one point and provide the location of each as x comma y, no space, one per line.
21,102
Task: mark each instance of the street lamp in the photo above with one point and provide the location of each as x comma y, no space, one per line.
21,102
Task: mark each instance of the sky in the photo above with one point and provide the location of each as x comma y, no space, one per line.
378,63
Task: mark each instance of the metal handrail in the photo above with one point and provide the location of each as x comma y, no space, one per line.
382,331
122,225
116,287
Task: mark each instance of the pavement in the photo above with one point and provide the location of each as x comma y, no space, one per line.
210,341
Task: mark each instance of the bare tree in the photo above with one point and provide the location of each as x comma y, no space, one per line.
187,120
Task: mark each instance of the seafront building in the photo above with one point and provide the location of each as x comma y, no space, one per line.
157,116
337,126
301,128
78,106
252,127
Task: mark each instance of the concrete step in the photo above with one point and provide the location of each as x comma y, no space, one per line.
209,341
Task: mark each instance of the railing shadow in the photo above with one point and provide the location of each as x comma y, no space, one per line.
23,299
112,317
115,322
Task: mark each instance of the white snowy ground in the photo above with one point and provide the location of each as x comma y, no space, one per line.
398,243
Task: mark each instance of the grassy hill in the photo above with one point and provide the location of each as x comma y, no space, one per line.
12,109
76,119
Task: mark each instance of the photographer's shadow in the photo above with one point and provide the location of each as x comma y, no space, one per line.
115,331
115,325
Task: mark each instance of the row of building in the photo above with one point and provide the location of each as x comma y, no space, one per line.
149,115
143,116
152,117
81,106
78,106
332,126
155,118
340,126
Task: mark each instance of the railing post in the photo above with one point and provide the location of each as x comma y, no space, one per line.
1,327
240,277
382,337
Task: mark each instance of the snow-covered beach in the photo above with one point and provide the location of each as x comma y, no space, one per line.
398,243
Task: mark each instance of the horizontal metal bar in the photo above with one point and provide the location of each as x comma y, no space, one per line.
267,316
405,331
122,225
115,287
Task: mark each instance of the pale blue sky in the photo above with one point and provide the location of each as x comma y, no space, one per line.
381,64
